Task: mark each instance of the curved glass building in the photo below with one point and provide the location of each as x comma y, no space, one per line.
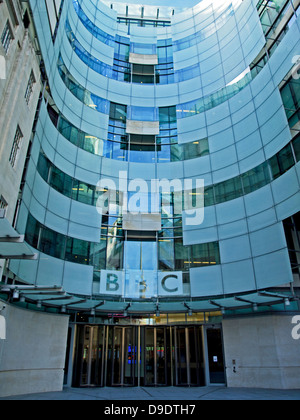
161,189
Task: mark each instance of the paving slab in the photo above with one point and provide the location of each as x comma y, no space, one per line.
163,394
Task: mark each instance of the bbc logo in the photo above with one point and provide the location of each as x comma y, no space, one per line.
2,68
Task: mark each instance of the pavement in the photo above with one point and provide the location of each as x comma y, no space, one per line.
162,394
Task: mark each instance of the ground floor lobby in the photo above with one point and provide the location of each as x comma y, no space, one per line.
49,356
131,356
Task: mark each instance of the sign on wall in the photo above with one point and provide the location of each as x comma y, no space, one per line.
141,284
170,284
112,282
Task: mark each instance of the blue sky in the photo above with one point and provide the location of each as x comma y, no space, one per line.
170,3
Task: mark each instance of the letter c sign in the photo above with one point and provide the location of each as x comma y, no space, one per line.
170,284
163,283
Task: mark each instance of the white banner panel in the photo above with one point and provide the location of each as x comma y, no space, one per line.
141,284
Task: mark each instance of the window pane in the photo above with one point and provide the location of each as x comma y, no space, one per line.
285,158
61,182
149,255
200,255
117,111
274,167
32,232
296,145
52,243
181,255
256,178
86,193
209,196
114,253
228,190
166,254
214,253
282,161
98,254
77,251
43,167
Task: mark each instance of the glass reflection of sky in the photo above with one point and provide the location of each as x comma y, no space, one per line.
166,7
140,255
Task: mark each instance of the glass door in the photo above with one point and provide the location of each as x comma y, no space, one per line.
196,362
117,356
181,363
121,356
92,356
156,356
189,362
130,356
97,360
161,356
149,356
85,365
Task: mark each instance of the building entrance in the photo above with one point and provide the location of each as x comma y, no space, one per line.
147,356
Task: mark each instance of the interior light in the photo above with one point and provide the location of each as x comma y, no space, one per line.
287,302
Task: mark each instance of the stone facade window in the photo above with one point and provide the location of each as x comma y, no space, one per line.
15,146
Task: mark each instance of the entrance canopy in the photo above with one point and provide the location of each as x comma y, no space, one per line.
54,297
12,245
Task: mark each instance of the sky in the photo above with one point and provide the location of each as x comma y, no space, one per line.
170,3
181,4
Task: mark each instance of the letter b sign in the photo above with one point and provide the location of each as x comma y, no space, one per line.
111,282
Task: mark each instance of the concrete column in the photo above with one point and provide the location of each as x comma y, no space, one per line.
32,357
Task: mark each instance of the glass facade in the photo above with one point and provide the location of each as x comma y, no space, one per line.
157,191
218,193
199,101
290,94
